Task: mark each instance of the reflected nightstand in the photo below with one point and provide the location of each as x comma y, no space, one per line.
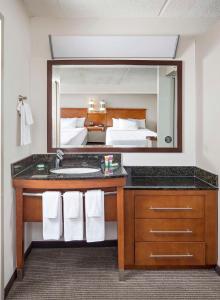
96,134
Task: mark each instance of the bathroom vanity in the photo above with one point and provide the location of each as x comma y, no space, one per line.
30,183
167,216
170,217
171,228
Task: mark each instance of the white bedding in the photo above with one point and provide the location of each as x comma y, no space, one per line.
118,137
73,136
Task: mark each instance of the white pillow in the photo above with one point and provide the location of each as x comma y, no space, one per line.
115,123
141,123
68,123
80,122
127,124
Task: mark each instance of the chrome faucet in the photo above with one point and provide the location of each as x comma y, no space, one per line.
59,158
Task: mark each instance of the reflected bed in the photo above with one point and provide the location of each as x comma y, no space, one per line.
118,137
73,136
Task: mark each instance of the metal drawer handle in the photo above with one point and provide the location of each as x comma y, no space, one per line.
171,231
170,255
170,208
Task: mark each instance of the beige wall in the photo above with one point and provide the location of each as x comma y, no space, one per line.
16,81
208,102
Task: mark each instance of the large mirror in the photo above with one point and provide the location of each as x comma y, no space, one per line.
124,106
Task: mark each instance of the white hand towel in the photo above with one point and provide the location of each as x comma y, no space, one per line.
94,205
95,216
26,120
52,215
71,202
73,216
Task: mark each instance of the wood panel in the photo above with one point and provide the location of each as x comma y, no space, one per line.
19,233
110,208
69,184
32,209
129,228
169,254
169,206
124,113
96,118
169,230
69,112
121,232
211,227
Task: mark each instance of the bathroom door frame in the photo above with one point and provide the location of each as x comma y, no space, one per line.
1,160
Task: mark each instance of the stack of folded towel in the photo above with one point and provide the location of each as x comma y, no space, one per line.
73,216
52,215
95,222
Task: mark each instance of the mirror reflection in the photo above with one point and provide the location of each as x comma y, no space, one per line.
114,105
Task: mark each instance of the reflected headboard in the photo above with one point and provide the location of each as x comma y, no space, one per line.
104,119
68,112
124,113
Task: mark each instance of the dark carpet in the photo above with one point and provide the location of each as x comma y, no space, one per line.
91,273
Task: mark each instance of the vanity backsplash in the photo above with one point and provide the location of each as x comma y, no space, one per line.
174,171
82,160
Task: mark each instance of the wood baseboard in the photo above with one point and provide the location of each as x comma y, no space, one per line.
14,275
9,284
56,244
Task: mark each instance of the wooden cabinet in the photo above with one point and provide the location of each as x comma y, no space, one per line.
170,228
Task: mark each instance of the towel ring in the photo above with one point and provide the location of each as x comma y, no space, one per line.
21,98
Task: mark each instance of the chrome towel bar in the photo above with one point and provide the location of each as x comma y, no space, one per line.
40,194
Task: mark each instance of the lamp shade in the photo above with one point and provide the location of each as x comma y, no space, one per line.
102,106
91,107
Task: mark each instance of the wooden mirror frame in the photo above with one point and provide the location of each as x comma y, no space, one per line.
106,149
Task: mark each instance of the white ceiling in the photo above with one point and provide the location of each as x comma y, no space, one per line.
123,8
106,75
108,79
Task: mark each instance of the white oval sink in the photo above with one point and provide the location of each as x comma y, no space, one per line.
74,170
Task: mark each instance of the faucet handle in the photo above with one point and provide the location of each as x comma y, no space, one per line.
59,151
60,154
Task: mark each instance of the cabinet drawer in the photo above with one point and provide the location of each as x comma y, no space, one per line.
169,230
169,254
169,206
